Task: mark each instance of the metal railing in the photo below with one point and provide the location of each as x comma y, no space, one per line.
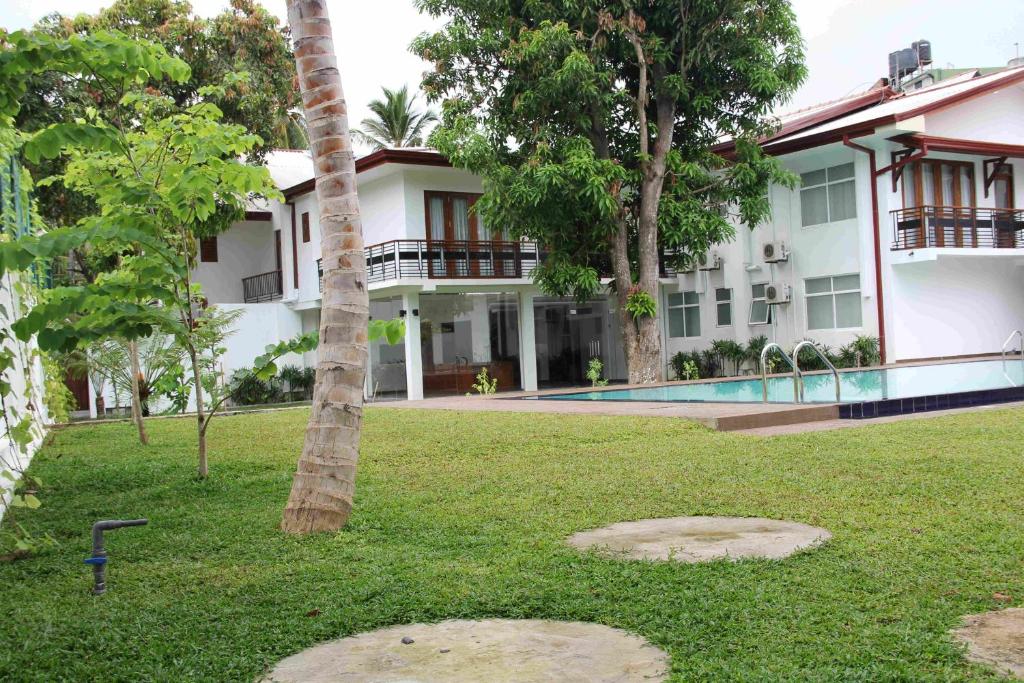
320,274
450,259
824,359
797,377
967,227
263,287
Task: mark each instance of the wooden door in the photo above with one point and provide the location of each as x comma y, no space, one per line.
452,229
1002,221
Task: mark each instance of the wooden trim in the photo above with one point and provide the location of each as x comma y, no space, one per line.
277,249
295,252
959,145
305,227
990,175
208,249
378,158
259,216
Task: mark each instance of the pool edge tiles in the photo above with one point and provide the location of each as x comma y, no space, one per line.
922,404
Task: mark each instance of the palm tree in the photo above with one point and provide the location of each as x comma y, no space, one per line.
290,130
324,482
397,122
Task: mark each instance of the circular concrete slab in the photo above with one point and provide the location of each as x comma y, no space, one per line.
995,639
492,650
700,539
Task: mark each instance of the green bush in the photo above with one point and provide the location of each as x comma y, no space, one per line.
300,381
247,389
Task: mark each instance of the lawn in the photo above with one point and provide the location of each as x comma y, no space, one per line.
464,516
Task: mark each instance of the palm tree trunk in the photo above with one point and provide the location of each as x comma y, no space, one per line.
324,483
136,370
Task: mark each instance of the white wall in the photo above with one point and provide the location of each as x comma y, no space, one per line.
420,180
955,306
995,117
26,380
382,207
837,248
261,325
243,250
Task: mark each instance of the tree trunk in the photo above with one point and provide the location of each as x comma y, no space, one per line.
203,469
324,483
136,370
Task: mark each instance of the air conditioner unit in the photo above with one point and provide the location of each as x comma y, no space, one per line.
710,261
774,252
775,293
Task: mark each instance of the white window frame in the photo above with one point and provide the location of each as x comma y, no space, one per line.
832,293
682,307
754,299
724,302
828,185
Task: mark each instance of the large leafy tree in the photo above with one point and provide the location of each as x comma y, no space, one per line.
593,125
243,38
396,121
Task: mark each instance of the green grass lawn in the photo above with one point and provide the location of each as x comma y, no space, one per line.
464,516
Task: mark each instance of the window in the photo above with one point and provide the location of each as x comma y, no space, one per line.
305,227
833,302
760,311
723,306
684,314
828,195
208,249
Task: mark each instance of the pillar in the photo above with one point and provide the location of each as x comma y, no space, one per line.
413,352
527,342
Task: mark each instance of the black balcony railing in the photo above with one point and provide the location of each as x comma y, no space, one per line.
320,274
455,259
262,287
958,227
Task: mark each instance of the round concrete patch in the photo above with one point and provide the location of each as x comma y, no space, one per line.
700,539
492,650
995,639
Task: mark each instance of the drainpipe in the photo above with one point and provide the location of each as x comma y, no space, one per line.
879,298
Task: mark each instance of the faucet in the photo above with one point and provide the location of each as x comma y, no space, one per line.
99,553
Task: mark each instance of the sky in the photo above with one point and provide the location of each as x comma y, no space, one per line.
847,41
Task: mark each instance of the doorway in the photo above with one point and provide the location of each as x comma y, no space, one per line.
568,334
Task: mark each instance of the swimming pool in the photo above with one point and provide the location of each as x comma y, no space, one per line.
977,379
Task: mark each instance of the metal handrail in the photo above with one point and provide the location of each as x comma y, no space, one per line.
1015,333
797,380
824,359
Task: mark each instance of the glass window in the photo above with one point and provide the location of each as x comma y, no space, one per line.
684,314
723,306
828,195
833,302
760,311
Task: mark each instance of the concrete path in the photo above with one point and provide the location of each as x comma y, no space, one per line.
995,639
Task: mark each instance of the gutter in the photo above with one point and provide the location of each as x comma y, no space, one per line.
879,297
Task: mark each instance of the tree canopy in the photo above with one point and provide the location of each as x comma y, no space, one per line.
244,38
594,128
396,122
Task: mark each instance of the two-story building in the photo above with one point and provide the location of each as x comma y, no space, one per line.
903,226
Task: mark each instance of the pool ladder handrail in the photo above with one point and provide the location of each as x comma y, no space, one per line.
797,380
824,359
1009,340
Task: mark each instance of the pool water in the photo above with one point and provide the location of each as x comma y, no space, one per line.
856,386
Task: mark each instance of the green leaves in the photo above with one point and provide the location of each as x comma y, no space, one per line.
265,367
392,331
84,137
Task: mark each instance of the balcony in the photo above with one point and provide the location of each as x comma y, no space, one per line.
960,227
455,259
262,288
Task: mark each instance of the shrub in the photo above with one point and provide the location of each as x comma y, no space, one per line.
300,381
685,364
754,348
247,389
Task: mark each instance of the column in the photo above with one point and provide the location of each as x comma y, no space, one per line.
527,342
413,354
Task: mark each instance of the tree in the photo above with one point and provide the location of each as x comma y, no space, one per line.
243,38
324,483
593,126
397,121
160,176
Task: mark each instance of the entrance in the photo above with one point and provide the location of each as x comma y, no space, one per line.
569,334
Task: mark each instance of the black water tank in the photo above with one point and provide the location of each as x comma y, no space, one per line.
924,52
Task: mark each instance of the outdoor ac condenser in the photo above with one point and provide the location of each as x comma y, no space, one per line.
775,293
774,252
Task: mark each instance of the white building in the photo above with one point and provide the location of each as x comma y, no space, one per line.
903,228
